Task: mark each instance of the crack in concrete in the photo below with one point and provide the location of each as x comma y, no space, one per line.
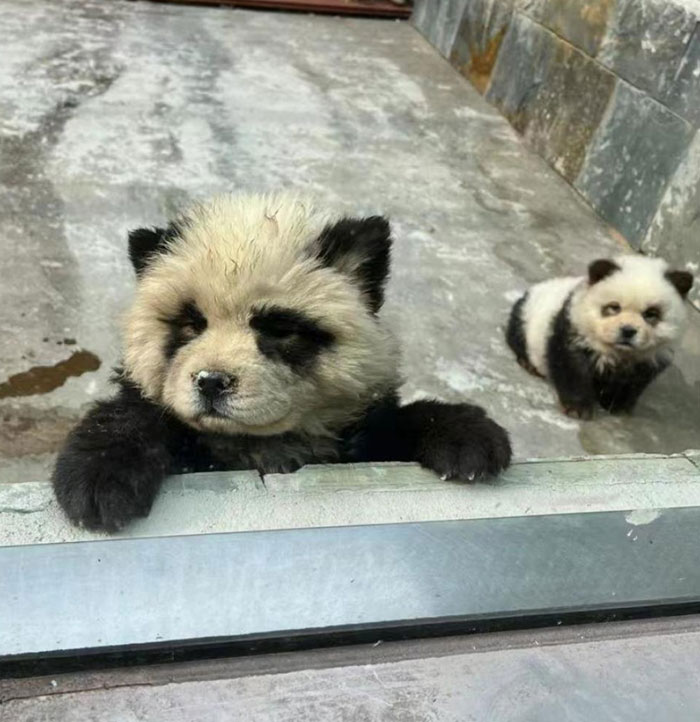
693,457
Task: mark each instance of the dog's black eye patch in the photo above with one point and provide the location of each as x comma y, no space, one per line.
185,326
191,317
652,315
611,309
290,336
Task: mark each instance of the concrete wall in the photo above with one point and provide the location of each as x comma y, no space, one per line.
607,91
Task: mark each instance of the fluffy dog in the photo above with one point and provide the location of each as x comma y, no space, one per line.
601,338
254,341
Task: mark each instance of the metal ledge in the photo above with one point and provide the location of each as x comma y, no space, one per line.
136,596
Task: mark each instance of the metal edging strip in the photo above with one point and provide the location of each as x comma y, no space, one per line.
166,597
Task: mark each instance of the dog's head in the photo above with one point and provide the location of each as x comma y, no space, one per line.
258,315
631,305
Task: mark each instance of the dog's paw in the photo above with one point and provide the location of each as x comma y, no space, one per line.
464,444
583,412
99,493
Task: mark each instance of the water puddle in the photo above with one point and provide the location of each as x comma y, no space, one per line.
42,379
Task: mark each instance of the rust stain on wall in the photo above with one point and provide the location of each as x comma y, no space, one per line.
480,65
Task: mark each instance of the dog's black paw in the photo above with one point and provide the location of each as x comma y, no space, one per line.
581,411
105,490
113,462
460,442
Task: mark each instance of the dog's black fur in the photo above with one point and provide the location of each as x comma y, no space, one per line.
113,463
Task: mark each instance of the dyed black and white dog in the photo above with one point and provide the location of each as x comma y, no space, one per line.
254,341
601,338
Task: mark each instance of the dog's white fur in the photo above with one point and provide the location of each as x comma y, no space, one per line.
639,284
239,253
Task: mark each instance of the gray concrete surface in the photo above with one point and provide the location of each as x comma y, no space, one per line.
319,496
623,672
609,95
282,663
113,114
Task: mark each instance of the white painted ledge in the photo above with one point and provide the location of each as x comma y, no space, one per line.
341,495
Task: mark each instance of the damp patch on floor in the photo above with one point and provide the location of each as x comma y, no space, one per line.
44,379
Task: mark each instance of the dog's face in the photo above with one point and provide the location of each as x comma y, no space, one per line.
257,315
632,305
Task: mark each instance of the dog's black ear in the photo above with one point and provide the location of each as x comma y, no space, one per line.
682,280
360,248
144,243
600,269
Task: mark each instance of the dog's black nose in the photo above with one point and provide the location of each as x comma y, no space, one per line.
214,383
628,332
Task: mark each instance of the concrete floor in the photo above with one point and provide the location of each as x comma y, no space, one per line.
642,671
114,114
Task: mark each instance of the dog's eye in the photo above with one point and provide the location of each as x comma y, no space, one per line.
279,328
652,314
282,324
196,325
184,327
611,309
274,325
193,328
190,320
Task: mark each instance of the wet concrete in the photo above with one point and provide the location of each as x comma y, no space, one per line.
114,114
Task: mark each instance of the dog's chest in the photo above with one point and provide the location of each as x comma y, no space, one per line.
270,454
